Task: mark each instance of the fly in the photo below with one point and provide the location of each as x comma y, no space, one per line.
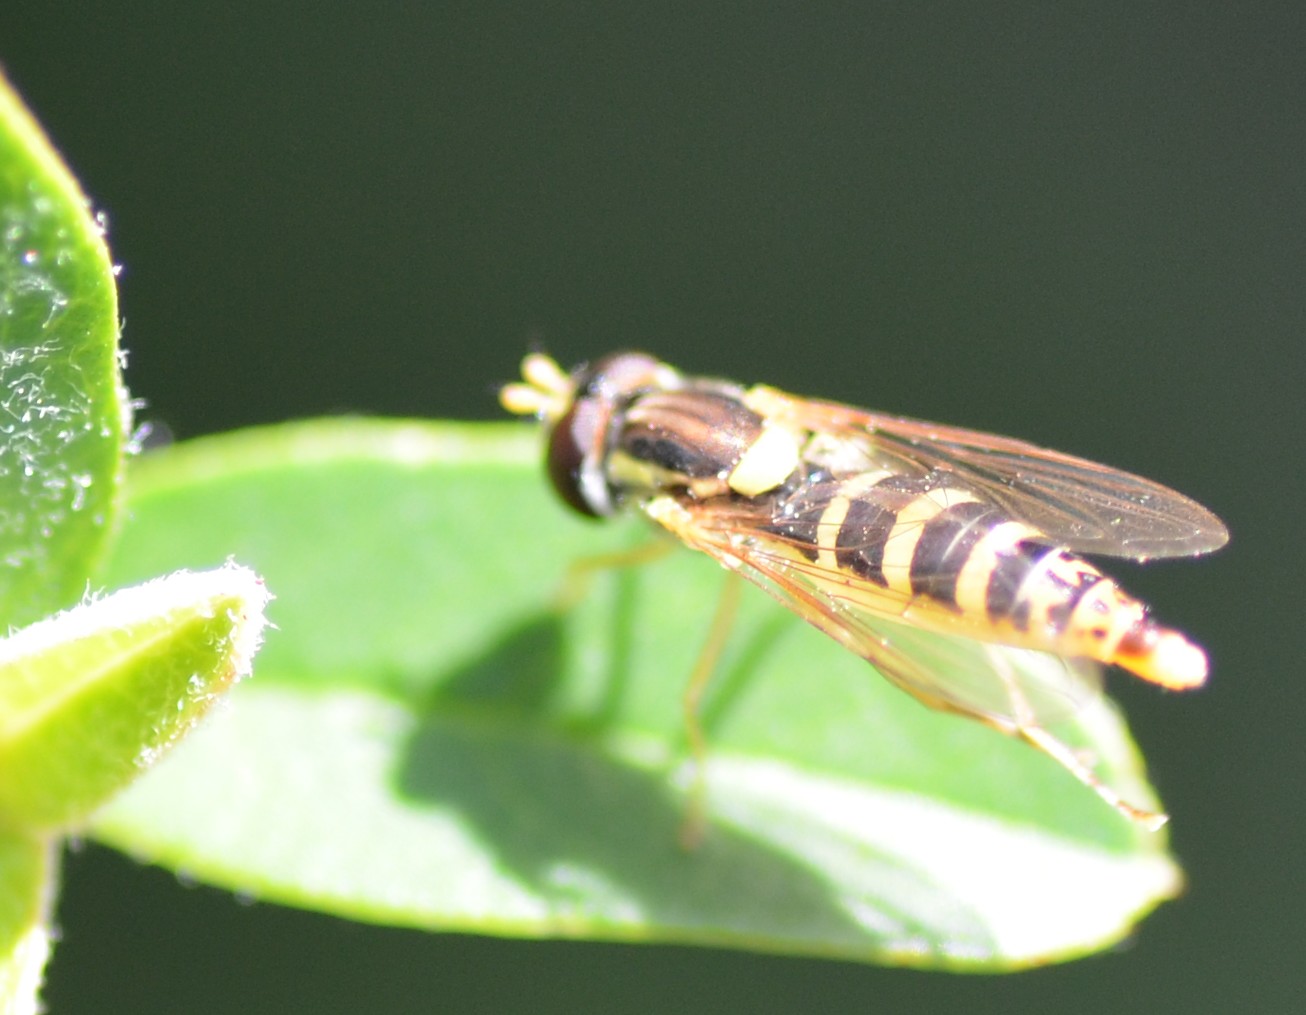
918,546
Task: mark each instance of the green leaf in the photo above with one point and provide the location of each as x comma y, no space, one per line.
91,697
63,421
27,865
431,741
63,414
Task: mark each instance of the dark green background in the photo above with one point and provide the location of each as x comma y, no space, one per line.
1077,223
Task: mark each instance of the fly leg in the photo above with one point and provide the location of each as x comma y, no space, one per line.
1038,737
695,823
1026,727
580,573
573,588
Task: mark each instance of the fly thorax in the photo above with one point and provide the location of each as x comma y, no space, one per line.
705,442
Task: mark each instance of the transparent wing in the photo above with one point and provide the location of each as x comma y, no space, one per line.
1082,505
903,637
1018,692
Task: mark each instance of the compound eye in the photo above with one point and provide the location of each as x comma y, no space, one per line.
573,460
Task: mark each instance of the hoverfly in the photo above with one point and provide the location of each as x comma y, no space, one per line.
876,528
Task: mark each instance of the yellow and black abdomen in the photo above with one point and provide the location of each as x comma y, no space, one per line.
915,548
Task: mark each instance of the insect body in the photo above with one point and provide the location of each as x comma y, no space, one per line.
876,528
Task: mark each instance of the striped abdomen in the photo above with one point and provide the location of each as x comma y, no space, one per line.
947,558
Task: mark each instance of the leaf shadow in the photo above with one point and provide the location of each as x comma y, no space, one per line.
594,837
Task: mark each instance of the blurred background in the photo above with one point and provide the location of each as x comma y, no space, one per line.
1080,224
